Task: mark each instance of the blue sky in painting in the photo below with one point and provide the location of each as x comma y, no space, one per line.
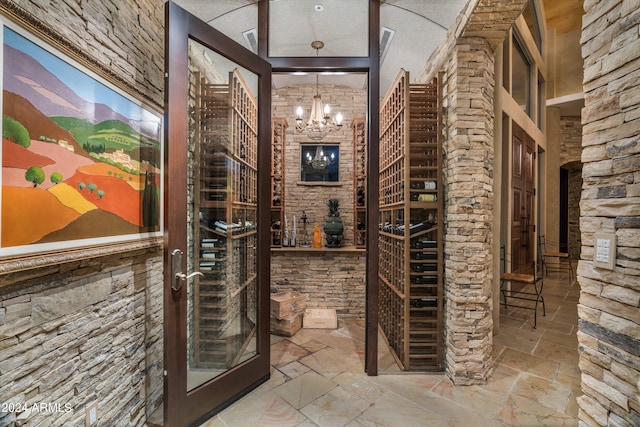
82,84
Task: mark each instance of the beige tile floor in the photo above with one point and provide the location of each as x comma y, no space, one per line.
318,379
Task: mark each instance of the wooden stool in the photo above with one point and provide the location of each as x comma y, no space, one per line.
525,279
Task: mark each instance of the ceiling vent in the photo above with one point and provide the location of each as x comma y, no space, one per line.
386,35
251,39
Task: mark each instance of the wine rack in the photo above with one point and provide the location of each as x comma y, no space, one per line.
278,147
225,237
411,212
359,127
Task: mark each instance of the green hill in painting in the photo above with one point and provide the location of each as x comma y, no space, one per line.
105,136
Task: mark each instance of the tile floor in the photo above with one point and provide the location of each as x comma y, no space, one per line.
318,380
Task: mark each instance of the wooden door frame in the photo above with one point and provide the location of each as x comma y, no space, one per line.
182,407
371,65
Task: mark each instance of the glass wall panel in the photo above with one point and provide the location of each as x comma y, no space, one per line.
520,77
531,18
541,102
343,26
506,64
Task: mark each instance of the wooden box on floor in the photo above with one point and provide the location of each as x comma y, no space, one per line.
320,318
288,303
287,326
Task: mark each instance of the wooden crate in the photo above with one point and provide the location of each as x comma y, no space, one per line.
286,304
287,326
320,318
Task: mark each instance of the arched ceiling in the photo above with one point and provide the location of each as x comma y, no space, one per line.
418,27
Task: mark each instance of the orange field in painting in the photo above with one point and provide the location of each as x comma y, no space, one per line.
31,214
119,198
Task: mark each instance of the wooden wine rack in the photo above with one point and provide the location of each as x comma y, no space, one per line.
411,211
278,147
359,127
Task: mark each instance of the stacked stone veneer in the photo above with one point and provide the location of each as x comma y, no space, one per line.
89,332
570,139
327,279
467,60
609,309
311,197
469,216
570,154
124,39
575,191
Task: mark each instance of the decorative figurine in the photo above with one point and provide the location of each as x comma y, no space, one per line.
305,239
333,227
317,236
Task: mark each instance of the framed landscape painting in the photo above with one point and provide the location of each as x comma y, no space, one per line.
81,160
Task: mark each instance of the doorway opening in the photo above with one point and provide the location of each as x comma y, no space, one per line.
331,277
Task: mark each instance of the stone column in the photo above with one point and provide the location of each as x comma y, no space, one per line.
469,211
609,309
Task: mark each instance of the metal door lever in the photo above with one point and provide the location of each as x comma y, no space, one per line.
181,278
176,268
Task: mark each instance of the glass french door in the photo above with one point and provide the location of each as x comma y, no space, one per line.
217,204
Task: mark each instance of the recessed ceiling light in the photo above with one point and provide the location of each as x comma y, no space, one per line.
319,8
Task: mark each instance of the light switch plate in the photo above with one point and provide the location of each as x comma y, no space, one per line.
604,254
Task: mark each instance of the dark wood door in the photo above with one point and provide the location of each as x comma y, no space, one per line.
523,201
217,257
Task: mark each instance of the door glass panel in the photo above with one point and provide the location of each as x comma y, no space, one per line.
222,201
343,26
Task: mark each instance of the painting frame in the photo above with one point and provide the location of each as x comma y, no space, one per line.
327,154
136,123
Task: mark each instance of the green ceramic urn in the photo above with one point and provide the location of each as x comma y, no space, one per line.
333,227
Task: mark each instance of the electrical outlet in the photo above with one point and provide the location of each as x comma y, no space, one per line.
91,415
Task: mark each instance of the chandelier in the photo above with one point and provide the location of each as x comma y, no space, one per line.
320,123
320,161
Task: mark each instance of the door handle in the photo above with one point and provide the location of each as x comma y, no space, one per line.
181,278
176,270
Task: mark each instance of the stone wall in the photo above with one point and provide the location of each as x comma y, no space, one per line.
469,217
89,332
570,153
124,39
328,279
609,314
575,191
570,139
309,197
